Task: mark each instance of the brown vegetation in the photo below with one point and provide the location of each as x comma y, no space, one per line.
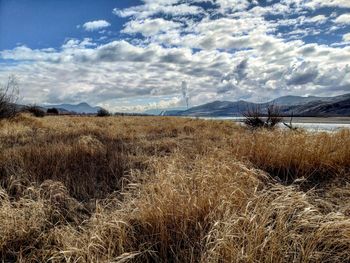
157,189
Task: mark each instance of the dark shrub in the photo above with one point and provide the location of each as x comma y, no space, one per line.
255,118
53,111
8,98
35,110
274,116
103,113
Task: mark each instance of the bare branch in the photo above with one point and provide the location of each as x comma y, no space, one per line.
255,118
9,93
290,125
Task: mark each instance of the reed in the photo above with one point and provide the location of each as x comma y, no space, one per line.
161,189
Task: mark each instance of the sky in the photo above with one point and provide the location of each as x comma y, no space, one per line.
139,55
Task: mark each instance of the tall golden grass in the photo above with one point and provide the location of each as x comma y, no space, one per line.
157,189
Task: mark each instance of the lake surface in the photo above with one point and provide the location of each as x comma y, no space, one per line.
308,123
322,126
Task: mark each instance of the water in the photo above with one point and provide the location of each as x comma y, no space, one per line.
321,126
310,126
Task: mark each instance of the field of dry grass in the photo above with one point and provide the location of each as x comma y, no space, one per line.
156,189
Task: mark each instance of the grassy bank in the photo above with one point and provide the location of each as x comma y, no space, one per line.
154,189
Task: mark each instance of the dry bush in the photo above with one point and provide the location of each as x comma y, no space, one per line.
255,118
133,189
52,111
103,113
35,111
8,98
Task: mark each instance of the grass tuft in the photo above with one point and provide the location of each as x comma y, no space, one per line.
160,189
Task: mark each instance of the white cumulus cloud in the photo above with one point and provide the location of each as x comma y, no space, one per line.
343,19
149,27
329,3
346,37
234,50
96,25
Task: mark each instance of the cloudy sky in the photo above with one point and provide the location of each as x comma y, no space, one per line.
133,55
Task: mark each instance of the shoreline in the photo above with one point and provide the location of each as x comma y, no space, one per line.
313,120
325,120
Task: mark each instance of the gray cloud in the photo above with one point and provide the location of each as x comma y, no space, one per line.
301,74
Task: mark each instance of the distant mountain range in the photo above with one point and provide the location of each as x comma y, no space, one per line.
296,105
74,108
